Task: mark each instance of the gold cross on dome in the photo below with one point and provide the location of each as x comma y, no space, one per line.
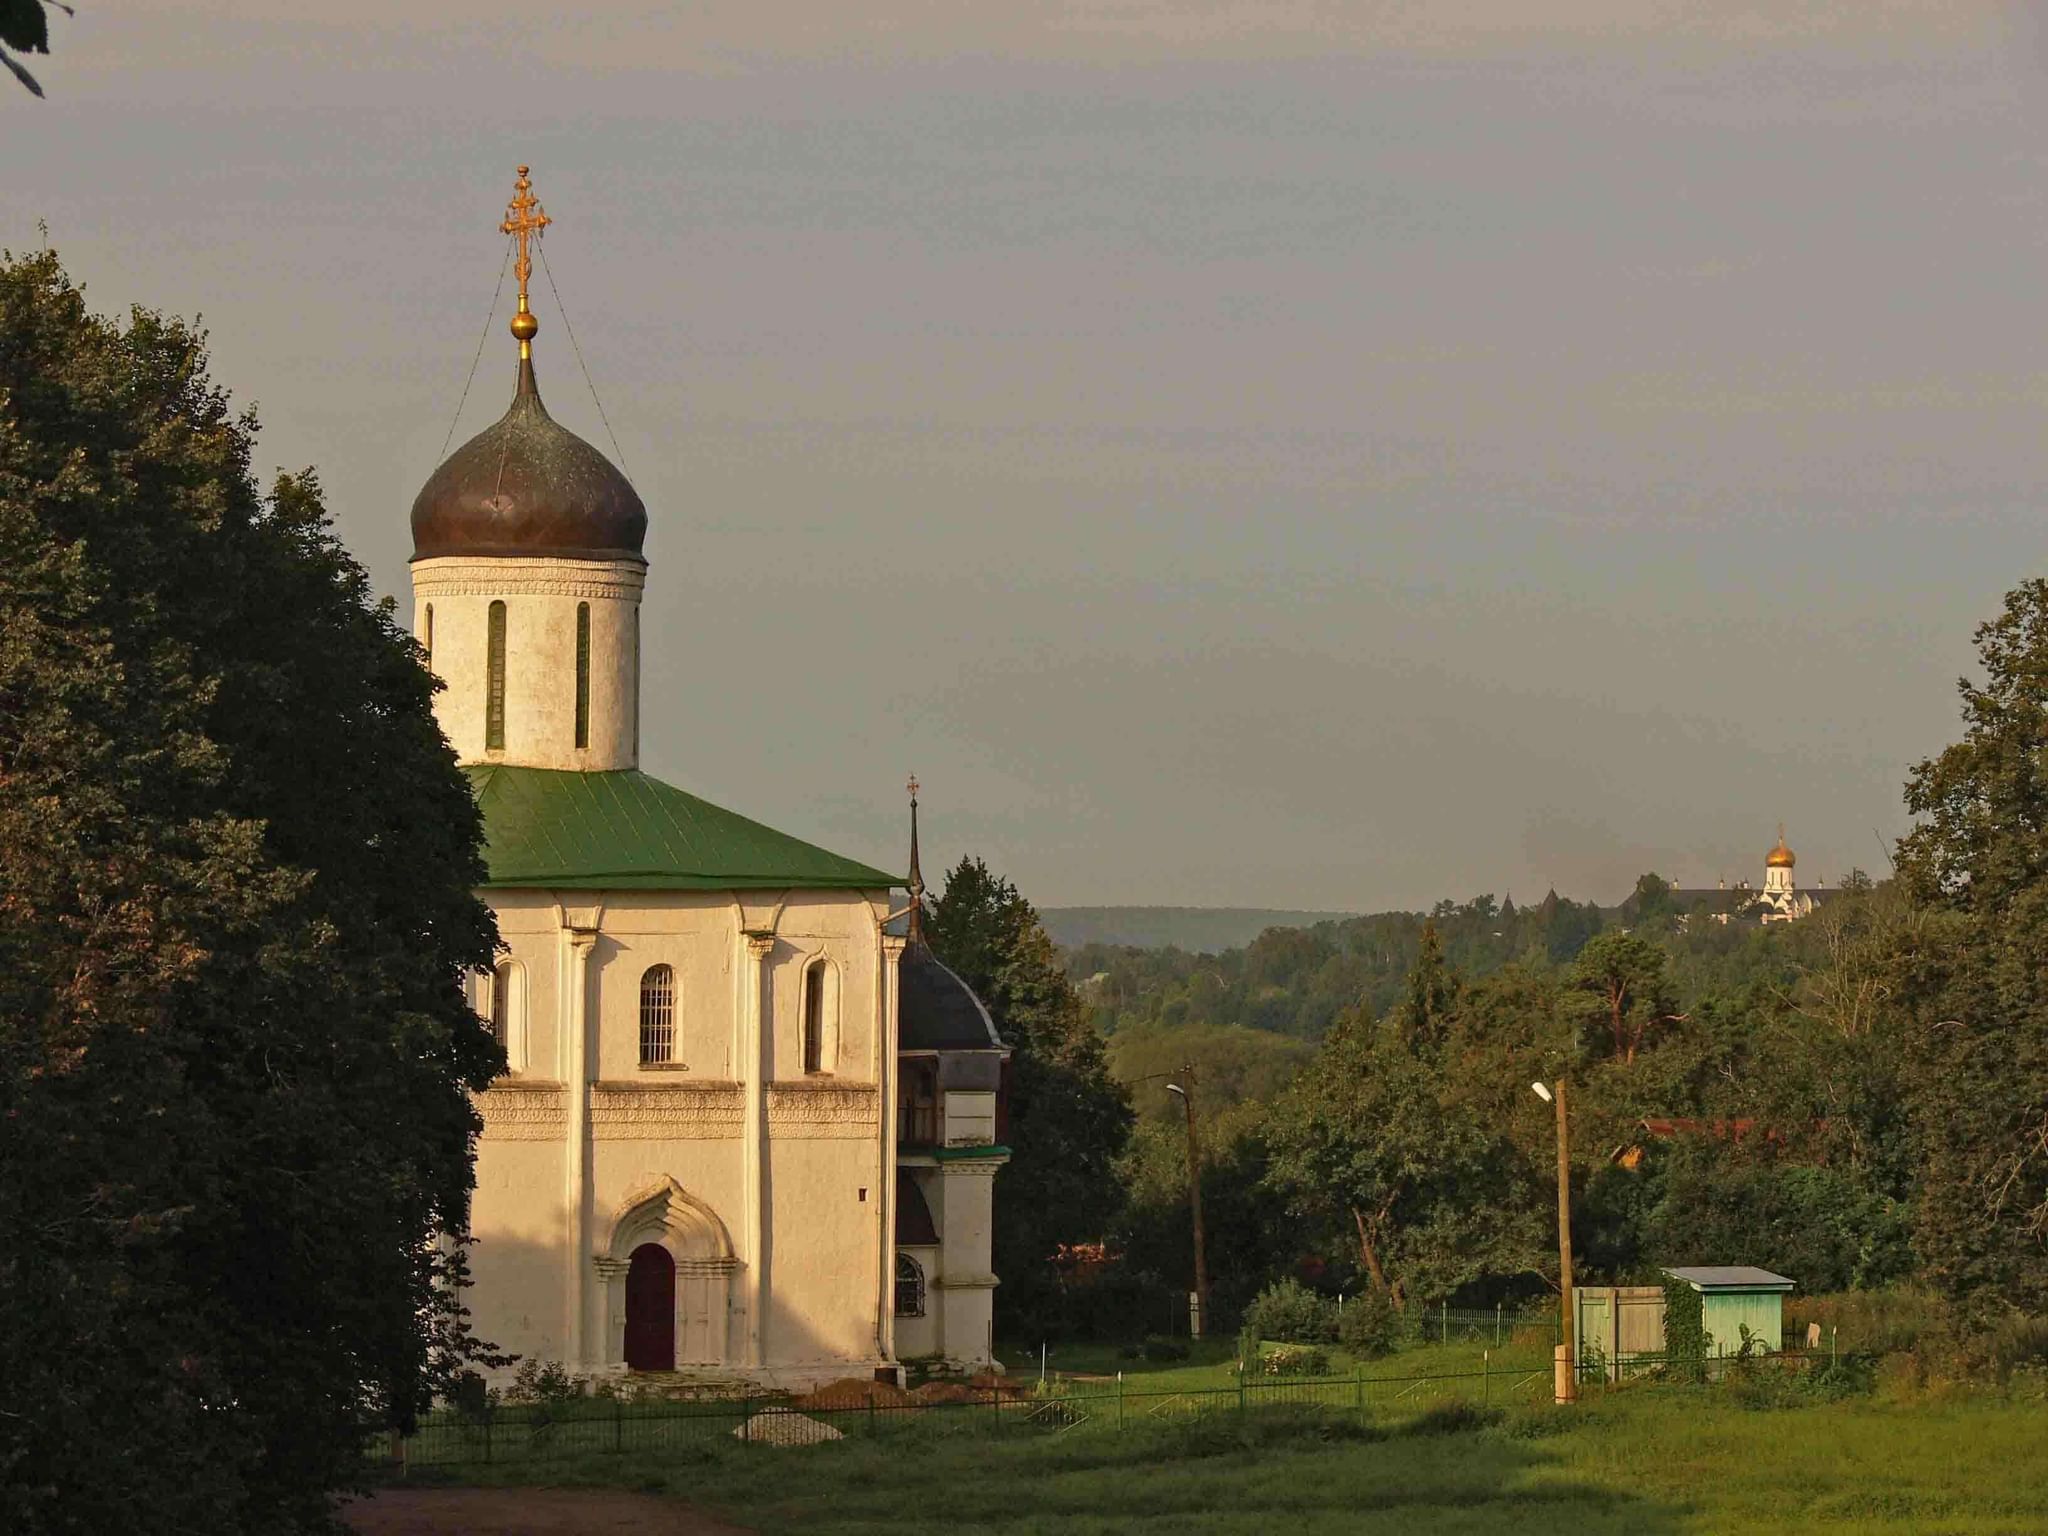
524,221
913,786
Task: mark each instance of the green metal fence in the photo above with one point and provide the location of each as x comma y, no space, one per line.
614,1426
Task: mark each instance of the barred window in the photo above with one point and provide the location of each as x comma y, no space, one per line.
494,695
657,1015
909,1286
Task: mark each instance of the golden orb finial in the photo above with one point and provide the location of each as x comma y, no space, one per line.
1780,857
524,221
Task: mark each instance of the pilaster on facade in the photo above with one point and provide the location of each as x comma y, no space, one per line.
754,1074
578,938
885,1036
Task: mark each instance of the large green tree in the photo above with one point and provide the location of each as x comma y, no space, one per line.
1978,975
236,910
25,27
1068,1118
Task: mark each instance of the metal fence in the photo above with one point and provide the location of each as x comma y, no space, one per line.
589,1426
1497,1327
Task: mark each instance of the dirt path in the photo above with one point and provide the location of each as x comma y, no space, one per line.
525,1512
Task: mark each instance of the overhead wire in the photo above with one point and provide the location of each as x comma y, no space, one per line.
591,383
496,294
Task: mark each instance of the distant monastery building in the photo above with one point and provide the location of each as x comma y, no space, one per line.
1779,901
749,1123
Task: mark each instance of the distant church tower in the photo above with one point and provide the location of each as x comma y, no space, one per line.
1778,864
1782,901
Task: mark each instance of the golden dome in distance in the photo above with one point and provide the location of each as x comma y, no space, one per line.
1780,857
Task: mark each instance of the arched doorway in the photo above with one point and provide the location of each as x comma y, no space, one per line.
696,1274
651,1309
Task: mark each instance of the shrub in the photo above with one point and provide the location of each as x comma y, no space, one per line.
2012,1344
1453,1419
1290,1311
1159,1346
1248,1347
1296,1360
1686,1339
1369,1326
1869,1322
1532,1421
544,1381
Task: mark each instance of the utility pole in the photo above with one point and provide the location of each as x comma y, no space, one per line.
1199,1310
1567,1383
1564,1249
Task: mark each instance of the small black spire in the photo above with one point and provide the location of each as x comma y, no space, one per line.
916,874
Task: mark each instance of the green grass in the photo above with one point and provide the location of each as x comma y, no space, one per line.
1648,1461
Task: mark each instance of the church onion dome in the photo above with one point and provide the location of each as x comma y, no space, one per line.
1779,857
935,1009
528,486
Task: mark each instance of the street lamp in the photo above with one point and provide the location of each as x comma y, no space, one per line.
1199,1302
1567,1384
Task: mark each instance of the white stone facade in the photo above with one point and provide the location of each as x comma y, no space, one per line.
545,603
769,1186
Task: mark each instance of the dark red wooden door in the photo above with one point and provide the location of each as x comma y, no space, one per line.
651,1310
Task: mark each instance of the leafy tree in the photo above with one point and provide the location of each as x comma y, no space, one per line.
1232,1065
1651,902
1977,974
1399,1138
1432,992
25,27
1358,1143
236,911
1622,976
1068,1119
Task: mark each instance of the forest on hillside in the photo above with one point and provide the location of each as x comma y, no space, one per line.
1741,1092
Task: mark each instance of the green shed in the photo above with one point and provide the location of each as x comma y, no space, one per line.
1738,1296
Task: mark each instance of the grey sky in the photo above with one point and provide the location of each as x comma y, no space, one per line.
1323,455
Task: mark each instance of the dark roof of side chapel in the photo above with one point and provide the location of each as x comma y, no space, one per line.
528,486
935,1009
914,1225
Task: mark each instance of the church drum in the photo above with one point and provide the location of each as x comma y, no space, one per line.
651,1310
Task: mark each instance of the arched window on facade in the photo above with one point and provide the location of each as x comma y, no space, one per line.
427,636
657,1015
582,674
820,1000
505,1011
494,695
917,1104
909,1286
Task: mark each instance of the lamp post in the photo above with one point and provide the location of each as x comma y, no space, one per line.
1200,1306
1567,1384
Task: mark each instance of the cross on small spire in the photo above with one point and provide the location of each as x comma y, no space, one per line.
916,874
524,221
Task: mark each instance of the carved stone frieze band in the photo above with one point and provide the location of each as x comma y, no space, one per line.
524,1113
666,1112
474,576
823,1111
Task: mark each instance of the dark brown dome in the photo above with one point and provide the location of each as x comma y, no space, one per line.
528,486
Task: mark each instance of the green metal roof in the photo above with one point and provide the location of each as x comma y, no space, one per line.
627,831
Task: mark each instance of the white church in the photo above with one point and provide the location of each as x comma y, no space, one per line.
749,1125
1780,900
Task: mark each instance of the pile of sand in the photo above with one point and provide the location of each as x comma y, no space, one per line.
853,1392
